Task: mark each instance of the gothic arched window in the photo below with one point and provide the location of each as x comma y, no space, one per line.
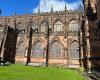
34,26
37,50
20,28
43,27
73,26
55,50
73,50
21,50
58,27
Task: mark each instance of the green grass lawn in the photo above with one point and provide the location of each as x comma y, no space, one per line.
21,72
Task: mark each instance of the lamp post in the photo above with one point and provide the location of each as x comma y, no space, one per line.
79,50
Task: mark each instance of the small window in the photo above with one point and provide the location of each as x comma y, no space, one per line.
43,27
58,27
73,26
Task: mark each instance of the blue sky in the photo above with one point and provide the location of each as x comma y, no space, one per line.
9,7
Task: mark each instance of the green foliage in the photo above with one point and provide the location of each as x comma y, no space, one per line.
20,72
81,69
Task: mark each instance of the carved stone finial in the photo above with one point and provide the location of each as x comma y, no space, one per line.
51,8
65,8
39,10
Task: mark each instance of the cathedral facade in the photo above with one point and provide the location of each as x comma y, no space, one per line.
45,38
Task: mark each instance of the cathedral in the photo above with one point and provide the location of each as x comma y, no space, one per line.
68,38
47,39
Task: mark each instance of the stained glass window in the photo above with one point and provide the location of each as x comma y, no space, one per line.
21,49
37,50
58,27
55,50
73,26
73,50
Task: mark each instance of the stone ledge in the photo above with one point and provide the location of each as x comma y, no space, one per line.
34,64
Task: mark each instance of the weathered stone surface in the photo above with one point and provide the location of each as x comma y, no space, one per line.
26,38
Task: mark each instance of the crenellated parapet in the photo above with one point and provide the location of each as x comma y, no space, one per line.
38,18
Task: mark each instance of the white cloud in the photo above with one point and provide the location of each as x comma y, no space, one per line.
45,5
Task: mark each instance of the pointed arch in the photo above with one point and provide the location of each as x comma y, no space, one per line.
37,40
56,39
73,50
56,20
21,39
72,39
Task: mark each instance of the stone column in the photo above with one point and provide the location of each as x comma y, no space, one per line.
26,47
81,50
87,30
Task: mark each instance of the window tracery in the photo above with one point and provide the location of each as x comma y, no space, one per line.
43,27
55,50
37,50
73,52
21,49
58,27
73,26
